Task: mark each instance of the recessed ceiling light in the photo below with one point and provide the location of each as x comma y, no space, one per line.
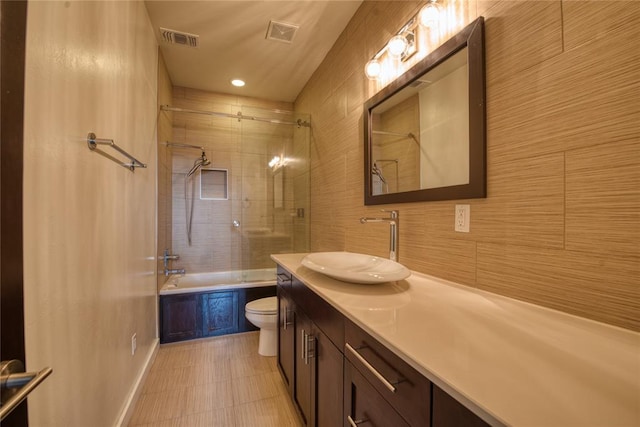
237,82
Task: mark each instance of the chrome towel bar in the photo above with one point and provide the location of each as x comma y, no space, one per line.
93,143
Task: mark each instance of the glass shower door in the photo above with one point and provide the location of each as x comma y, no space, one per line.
274,202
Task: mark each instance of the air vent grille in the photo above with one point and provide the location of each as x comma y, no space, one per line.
281,31
179,37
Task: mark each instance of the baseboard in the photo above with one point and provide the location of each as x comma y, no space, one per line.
134,394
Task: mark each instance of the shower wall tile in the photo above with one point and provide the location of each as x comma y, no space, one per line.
559,226
244,149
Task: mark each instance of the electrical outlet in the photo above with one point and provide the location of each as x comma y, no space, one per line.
134,344
462,218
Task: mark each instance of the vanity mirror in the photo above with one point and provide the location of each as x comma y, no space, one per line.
425,133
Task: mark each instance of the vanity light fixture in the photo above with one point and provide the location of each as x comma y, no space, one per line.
237,82
404,44
429,15
397,46
373,69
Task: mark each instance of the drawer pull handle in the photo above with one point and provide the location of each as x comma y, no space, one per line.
354,423
373,370
308,346
284,278
286,321
303,338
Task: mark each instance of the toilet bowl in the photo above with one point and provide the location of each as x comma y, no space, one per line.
263,313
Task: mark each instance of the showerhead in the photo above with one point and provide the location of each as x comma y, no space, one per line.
199,162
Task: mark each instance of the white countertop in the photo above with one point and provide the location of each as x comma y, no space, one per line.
511,362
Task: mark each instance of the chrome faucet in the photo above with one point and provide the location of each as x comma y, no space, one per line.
170,271
393,231
166,257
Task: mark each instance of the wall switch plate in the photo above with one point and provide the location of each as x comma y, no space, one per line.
462,218
134,344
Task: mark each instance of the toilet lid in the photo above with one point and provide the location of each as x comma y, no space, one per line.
267,305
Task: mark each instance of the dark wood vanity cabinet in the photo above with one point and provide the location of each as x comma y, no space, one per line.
448,412
309,360
364,405
406,390
339,375
286,341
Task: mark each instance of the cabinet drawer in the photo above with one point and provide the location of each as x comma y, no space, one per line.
327,318
364,405
284,278
408,391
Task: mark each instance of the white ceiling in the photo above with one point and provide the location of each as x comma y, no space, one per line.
233,44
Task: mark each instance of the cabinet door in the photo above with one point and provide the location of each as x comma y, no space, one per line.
327,381
408,391
303,366
448,412
286,341
363,405
219,313
179,317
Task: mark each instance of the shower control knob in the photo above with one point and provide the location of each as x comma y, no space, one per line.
236,223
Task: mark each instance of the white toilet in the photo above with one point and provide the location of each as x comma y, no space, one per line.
263,313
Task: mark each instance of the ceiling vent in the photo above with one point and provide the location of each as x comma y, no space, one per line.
181,38
281,31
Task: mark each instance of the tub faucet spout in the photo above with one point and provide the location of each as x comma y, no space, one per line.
393,231
169,271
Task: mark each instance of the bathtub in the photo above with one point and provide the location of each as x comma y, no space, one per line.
203,282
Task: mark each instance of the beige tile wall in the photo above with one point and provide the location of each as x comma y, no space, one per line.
560,226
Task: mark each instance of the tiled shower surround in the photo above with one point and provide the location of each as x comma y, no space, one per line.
266,204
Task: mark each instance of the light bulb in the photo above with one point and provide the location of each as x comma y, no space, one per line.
397,45
373,69
237,82
430,15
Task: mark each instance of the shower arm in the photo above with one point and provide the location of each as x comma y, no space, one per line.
181,145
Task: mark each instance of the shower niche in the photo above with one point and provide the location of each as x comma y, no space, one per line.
213,184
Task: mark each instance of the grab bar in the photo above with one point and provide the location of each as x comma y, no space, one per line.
93,143
26,381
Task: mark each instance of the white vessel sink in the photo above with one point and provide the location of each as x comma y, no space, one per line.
356,268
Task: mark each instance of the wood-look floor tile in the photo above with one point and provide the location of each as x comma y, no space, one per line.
255,387
190,385
247,366
156,407
208,397
271,412
217,418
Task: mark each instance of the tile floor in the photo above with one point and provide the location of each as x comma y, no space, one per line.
220,381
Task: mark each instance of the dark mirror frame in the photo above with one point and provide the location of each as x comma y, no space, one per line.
472,36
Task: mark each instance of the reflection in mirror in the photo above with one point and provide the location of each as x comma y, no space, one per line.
424,128
425,132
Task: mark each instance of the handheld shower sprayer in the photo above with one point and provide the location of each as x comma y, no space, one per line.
200,162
